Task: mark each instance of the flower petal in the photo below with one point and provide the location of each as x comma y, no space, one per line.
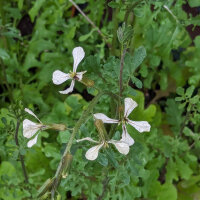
93,152
126,137
60,77
105,119
78,54
141,126
121,146
70,89
32,142
30,128
31,113
87,138
80,75
129,105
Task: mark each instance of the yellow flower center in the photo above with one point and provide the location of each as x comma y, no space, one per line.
72,74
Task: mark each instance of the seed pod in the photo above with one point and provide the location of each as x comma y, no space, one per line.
87,82
101,129
67,163
59,127
45,187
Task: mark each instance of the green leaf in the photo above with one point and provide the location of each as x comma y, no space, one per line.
180,91
189,91
138,57
137,82
193,3
167,191
179,99
194,99
63,136
33,12
3,54
113,4
102,159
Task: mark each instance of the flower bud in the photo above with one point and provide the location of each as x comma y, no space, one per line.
87,82
58,127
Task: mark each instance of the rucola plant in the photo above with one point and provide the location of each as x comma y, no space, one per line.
30,128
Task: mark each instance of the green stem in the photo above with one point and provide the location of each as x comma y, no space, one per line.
115,27
121,72
21,156
82,120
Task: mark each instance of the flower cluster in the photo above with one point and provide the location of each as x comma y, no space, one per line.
31,128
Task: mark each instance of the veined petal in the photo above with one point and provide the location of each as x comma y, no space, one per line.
121,146
32,142
129,105
126,137
87,138
93,152
80,75
60,77
30,128
141,126
31,113
70,89
78,54
105,119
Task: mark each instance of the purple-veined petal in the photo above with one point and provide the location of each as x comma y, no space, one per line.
31,113
105,119
60,77
32,142
121,146
70,89
30,128
80,75
88,139
126,137
129,105
93,152
141,126
78,54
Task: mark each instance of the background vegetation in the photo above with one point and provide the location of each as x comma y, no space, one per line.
161,73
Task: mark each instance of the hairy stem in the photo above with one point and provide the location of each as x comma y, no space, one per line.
121,72
21,156
90,21
63,161
115,27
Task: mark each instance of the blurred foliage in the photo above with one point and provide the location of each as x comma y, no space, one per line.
161,73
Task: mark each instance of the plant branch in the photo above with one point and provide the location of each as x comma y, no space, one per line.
6,81
64,161
105,183
91,22
130,9
121,72
20,156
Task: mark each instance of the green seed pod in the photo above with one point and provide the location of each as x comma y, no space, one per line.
87,82
59,127
101,129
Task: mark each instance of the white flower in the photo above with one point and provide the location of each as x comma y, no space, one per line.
140,126
60,77
93,152
31,128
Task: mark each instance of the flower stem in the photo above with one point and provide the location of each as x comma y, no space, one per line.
21,156
91,22
63,162
121,72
